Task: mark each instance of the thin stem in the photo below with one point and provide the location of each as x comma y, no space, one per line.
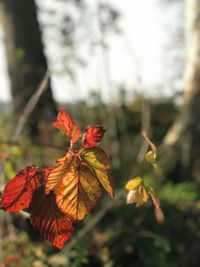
26,113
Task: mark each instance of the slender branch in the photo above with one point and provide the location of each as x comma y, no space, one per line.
23,213
26,113
145,127
30,107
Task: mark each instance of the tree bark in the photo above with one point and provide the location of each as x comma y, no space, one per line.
183,140
26,60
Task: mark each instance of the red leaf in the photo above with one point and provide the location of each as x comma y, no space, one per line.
18,192
93,135
67,126
52,224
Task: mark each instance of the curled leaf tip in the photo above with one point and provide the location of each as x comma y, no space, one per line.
151,155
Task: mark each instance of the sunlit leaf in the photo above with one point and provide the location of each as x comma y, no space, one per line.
78,192
18,192
97,160
52,224
93,135
55,177
131,197
67,126
133,183
138,191
138,196
77,181
57,196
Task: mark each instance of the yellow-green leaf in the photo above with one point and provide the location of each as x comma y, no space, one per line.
150,157
97,161
138,192
134,183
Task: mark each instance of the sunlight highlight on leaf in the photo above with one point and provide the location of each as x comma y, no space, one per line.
97,160
54,178
138,192
78,192
133,183
77,181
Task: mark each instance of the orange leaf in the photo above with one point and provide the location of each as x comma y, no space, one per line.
67,126
54,178
93,135
78,192
97,161
18,192
52,224
77,181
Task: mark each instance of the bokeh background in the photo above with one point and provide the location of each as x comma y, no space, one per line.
131,66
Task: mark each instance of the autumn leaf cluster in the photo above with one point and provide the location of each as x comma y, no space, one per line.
139,193
58,196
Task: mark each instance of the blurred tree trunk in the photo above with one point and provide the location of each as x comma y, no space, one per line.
26,60
183,140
